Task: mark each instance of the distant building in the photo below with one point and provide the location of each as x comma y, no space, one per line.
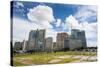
24,45
67,44
82,36
54,46
32,40
72,44
38,43
36,40
17,46
79,34
40,40
91,49
60,40
49,44
77,40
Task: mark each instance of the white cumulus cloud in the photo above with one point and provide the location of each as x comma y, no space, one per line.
42,15
72,22
58,23
20,4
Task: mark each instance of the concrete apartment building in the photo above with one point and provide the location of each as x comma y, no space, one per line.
20,46
49,44
77,40
60,41
17,46
79,34
32,40
36,41
82,36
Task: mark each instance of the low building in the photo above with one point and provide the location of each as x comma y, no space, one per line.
17,46
24,45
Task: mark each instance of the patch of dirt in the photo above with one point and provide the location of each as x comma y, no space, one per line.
66,56
55,61
26,60
92,58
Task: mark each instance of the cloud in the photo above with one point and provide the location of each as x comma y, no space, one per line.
71,22
90,28
21,29
18,4
91,33
85,13
58,23
42,15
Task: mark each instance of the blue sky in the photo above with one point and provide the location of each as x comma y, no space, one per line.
54,18
59,10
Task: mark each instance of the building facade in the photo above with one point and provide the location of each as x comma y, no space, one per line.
73,44
54,46
49,44
40,40
82,36
79,34
17,46
60,40
32,40
77,40
36,40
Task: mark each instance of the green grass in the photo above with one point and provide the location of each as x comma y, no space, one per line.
44,58
80,53
33,59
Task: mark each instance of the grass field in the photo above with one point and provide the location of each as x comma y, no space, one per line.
48,58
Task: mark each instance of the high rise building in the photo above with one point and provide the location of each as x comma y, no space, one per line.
67,44
74,33
36,40
77,40
40,40
79,34
82,36
49,44
32,40
60,40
